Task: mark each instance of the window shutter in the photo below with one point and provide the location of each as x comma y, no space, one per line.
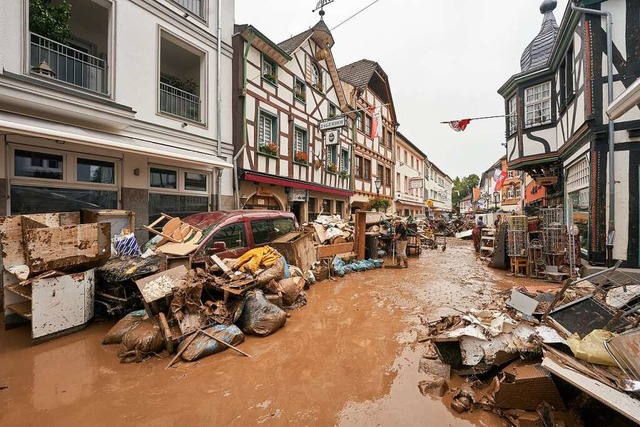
307,70
325,83
261,129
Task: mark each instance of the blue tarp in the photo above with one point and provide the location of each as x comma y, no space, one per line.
341,268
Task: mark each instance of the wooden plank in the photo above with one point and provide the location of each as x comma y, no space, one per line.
52,248
217,261
325,251
360,234
22,309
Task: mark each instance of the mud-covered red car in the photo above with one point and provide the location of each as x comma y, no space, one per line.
229,234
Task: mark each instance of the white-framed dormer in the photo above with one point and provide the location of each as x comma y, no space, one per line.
182,79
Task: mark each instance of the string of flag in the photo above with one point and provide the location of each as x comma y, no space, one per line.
461,125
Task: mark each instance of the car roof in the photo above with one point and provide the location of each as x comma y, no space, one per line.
207,219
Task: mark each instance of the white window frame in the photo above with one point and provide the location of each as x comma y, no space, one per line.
537,105
512,115
274,128
180,181
69,169
578,175
300,144
171,37
316,76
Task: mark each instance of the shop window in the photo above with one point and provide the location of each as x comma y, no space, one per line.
195,181
96,171
29,200
326,206
176,205
258,202
163,178
30,164
339,207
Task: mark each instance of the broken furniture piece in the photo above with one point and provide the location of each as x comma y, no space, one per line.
48,277
173,229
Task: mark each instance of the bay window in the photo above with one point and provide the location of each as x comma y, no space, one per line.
537,105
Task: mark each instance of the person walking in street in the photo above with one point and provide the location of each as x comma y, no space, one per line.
400,239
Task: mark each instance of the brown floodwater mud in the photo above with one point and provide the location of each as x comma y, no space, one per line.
348,358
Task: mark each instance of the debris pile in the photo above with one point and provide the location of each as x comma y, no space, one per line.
526,360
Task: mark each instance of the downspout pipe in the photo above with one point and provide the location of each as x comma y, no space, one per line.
612,183
219,101
245,140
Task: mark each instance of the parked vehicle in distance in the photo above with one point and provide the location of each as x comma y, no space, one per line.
229,234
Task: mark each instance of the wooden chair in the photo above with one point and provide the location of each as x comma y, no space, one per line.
174,230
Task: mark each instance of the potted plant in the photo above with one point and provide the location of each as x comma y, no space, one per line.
270,148
380,204
332,167
344,174
271,78
301,157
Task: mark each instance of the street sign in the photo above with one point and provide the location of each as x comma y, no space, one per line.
334,123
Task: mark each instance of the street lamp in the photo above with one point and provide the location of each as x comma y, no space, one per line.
378,183
495,199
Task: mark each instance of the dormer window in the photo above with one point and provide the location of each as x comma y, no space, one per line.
537,106
316,76
269,70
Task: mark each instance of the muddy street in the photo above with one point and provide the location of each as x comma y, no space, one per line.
349,357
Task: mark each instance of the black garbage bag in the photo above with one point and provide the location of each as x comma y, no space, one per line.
259,316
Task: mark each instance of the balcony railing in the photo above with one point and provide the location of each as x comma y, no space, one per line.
68,64
194,6
179,103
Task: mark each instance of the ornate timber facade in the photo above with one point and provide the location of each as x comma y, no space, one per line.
557,127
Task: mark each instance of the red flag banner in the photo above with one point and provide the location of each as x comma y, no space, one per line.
376,128
459,125
500,181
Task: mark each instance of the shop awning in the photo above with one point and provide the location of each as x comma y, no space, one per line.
21,125
267,179
408,203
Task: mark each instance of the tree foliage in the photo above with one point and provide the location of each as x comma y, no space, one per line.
463,187
51,21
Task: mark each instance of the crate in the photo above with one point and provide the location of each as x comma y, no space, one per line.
297,248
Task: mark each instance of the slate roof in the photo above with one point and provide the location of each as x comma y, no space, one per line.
290,45
359,73
537,54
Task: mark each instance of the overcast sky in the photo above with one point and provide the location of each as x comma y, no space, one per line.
445,60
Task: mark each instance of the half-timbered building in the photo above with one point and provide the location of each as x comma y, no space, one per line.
283,94
367,88
558,130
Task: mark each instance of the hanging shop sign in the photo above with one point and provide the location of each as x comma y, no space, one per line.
547,180
333,123
297,195
331,137
415,183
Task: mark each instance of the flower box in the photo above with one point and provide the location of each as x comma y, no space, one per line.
270,148
301,157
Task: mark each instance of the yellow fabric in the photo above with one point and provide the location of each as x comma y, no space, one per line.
252,261
591,347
